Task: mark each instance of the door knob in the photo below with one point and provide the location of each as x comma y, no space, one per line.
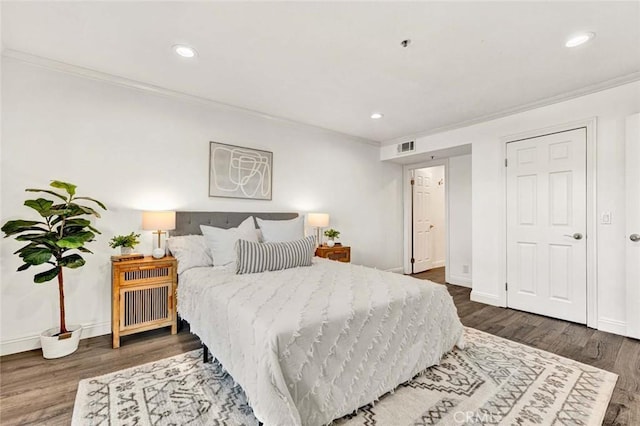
634,237
576,236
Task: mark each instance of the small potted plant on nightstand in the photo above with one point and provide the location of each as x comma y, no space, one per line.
61,229
332,234
125,242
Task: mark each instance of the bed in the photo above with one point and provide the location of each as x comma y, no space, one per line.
312,344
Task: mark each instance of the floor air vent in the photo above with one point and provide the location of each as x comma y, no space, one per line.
406,147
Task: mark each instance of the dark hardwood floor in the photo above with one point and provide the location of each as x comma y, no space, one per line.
34,391
610,352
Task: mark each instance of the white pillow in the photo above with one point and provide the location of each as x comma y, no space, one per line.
222,242
190,251
275,231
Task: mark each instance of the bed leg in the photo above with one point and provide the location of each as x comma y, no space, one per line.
205,353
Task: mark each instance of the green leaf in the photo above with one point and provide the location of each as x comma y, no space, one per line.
84,250
76,225
35,228
29,237
59,212
94,229
36,246
48,191
72,261
88,210
28,246
35,256
68,187
48,238
77,222
41,205
38,258
70,230
43,277
16,226
92,199
23,267
45,244
75,241
72,210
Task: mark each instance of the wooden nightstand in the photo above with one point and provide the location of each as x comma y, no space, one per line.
143,296
339,253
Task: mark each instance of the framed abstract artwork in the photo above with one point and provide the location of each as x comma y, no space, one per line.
239,172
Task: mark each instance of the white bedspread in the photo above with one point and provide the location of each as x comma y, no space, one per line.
309,345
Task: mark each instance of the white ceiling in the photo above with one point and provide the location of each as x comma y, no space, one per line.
331,64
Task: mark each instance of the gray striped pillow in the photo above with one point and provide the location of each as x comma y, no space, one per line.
259,257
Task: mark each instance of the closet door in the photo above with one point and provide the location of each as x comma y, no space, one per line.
546,225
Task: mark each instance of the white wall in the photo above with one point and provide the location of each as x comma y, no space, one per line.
459,220
438,217
136,150
610,107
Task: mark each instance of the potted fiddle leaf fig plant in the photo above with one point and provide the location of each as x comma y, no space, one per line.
56,240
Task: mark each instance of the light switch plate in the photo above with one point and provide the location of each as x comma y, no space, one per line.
606,218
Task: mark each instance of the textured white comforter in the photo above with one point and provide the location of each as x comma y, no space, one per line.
309,345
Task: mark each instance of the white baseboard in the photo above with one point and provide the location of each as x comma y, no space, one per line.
397,270
486,298
438,264
29,343
612,326
459,280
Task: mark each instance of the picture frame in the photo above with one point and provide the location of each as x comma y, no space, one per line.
240,172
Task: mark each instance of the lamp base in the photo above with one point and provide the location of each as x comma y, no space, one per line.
158,253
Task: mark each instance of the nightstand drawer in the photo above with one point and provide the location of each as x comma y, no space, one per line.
136,275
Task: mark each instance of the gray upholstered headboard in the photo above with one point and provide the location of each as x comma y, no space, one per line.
188,223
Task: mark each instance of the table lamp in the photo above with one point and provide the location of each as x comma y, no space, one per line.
159,222
318,221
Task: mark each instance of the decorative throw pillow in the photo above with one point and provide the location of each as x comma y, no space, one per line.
190,251
256,257
274,231
222,242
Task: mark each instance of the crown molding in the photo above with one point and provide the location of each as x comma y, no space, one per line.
92,74
594,88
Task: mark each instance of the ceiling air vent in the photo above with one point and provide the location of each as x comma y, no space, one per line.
406,147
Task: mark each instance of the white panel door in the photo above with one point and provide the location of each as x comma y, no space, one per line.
546,225
422,241
632,236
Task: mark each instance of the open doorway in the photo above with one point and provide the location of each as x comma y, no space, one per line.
439,240
428,243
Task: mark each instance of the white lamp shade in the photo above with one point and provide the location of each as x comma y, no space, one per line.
158,221
318,220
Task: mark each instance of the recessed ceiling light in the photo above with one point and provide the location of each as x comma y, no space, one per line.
185,51
376,115
579,39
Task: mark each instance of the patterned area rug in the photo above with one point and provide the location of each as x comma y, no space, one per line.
491,381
